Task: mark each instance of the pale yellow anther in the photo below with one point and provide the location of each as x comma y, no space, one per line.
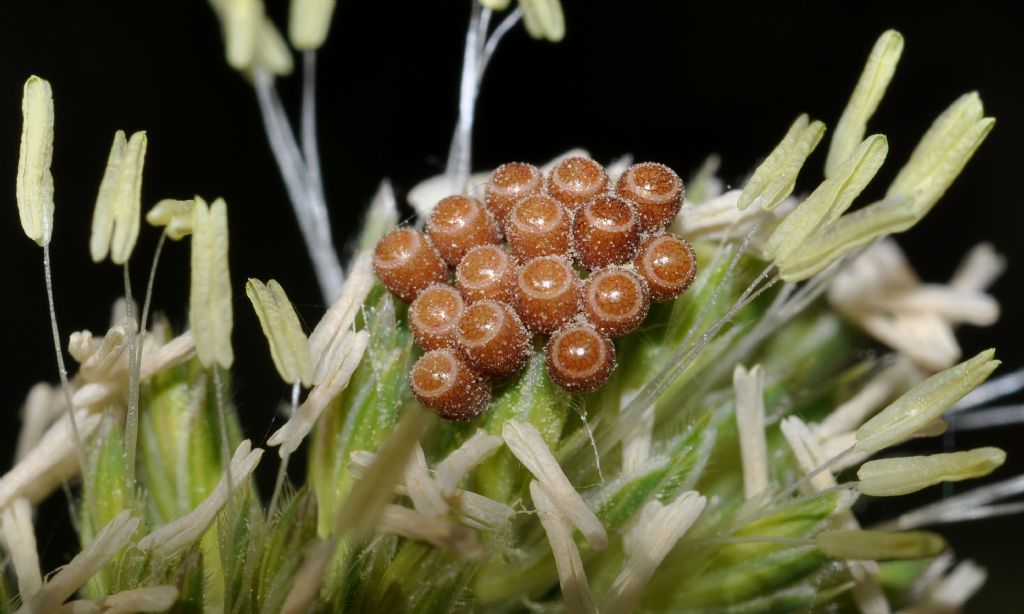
107,542
144,599
526,444
775,178
35,183
434,530
289,347
174,215
495,5
115,220
543,19
210,293
879,545
870,89
251,40
381,217
943,152
890,477
647,542
272,52
830,200
308,23
190,528
749,387
572,576
19,538
924,403
846,234
241,21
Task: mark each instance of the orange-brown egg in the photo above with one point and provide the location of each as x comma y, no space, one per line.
434,316
655,190
605,231
459,223
442,381
406,263
574,181
493,339
615,300
508,183
668,265
486,272
548,293
538,226
579,358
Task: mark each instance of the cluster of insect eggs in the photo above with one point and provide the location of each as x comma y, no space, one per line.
518,259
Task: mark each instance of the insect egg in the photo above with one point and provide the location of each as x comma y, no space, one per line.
406,263
615,300
434,316
605,231
579,358
538,226
493,339
655,190
486,272
459,223
668,265
446,384
508,183
574,181
548,293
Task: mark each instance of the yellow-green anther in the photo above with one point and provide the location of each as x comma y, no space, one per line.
924,403
272,52
775,178
899,476
241,20
288,344
833,197
543,19
174,215
870,89
35,183
880,545
943,152
115,220
210,292
847,233
932,429
495,5
308,23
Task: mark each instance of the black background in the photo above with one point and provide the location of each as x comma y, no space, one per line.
667,81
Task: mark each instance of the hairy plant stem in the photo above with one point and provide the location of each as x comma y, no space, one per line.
131,425
282,470
149,283
64,384
310,151
302,176
225,447
476,55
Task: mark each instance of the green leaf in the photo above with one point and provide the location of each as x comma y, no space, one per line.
286,537
754,574
179,441
530,397
107,496
363,414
